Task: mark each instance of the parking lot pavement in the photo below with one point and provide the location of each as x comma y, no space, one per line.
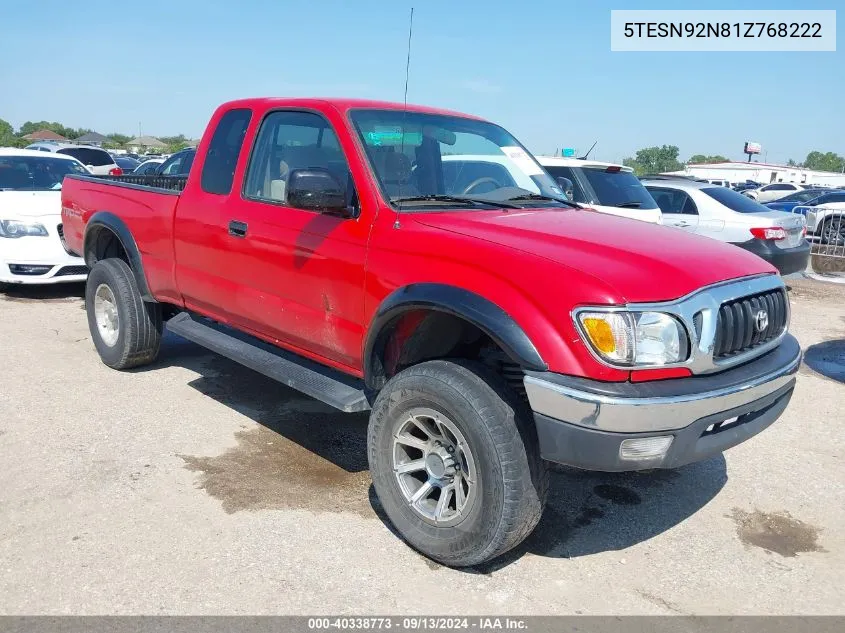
197,486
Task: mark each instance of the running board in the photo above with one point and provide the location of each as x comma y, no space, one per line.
325,384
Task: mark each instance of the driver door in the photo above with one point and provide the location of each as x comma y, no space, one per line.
299,273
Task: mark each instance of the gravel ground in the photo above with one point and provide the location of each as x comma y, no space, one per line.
196,486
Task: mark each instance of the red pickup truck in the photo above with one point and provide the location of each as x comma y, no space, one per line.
490,324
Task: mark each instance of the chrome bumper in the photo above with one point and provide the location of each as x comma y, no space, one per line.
622,413
587,423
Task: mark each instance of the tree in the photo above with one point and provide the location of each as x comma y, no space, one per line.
792,163
68,132
174,143
697,159
654,160
828,161
118,139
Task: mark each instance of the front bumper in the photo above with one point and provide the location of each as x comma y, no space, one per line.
786,260
39,260
584,423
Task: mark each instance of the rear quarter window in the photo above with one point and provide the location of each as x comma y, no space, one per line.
734,201
617,189
88,156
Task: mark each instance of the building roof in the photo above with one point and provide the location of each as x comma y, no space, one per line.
44,135
92,137
147,141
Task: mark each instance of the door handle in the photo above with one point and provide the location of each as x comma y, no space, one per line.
682,224
237,229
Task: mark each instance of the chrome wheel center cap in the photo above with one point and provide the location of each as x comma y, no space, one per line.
440,463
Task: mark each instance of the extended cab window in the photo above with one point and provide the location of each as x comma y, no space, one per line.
218,171
288,141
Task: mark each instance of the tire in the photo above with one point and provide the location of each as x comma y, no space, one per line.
136,338
832,232
510,479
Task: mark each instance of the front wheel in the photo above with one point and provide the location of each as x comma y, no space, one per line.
455,462
126,330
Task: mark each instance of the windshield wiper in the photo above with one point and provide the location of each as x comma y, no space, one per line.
459,199
538,196
631,204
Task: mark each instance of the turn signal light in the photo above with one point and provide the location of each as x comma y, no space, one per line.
601,334
116,171
769,233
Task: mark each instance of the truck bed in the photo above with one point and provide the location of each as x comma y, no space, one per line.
168,183
145,204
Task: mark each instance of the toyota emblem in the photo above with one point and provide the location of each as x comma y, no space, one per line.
761,320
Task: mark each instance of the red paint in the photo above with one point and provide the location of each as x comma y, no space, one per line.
312,283
644,375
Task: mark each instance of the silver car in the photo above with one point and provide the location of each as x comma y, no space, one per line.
728,216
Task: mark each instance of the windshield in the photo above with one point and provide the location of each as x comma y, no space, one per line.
36,173
419,159
615,188
801,196
734,200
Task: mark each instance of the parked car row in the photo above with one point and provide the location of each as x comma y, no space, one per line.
98,161
32,246
727,215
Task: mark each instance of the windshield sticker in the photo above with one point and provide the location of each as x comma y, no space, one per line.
522,160
384,135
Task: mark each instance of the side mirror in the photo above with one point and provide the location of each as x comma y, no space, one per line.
566,186
316,189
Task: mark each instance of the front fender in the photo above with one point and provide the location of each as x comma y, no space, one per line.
484,314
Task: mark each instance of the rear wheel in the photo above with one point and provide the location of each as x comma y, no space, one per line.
126,330
455,462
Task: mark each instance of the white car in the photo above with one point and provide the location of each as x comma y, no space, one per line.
728,216
98,161
32,248
605,187
774,191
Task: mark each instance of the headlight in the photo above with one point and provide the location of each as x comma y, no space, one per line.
16,228
635,338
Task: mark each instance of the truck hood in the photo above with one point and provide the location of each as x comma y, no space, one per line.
642,262
27,204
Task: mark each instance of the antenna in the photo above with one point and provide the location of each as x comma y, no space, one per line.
408,61
396,224
584,157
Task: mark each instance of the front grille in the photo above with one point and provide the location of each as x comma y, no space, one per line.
61,231
72,270
737,328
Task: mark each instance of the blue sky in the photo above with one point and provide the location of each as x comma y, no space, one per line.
544,70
